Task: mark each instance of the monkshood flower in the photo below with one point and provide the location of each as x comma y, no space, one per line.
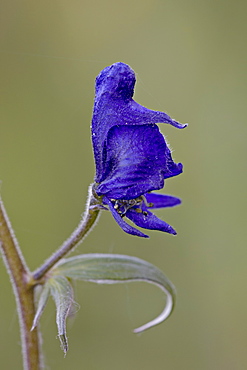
131,155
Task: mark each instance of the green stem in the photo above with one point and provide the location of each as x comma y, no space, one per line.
23,291
90,216
23,282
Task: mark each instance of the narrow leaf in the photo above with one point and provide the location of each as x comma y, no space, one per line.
113,269
42,300
62,293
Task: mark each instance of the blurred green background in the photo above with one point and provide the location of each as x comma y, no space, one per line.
190,58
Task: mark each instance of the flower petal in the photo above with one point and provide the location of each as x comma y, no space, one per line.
126,227
161,200
142,115
114,105
149,221
117,80
136,161
174,169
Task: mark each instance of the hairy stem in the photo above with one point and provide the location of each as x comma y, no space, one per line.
23,291
89,218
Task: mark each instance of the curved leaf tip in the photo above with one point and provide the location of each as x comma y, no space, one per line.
115,269
162,317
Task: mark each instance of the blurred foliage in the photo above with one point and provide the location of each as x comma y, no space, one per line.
190,59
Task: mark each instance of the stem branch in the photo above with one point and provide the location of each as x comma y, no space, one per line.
23,282
90,216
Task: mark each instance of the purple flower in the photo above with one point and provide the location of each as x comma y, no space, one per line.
131,155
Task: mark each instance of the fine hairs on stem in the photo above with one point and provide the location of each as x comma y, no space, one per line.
23,282
24,294
88,221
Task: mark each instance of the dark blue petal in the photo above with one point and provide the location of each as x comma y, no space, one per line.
117,80
126,227
142,115
114,106
174,169
149,221
161,200
136,160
